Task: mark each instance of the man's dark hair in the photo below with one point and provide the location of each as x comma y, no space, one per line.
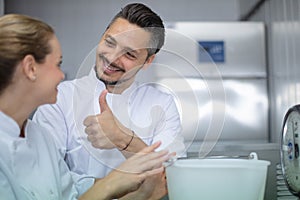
144,17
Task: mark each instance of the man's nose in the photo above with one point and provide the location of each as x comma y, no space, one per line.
115,56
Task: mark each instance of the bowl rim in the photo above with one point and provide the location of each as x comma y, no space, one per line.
219,163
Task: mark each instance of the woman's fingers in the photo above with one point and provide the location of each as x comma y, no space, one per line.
151,148
153,172
142,161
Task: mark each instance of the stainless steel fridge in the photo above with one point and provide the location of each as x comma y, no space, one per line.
217,73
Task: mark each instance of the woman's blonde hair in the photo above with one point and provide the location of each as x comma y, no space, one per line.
21,35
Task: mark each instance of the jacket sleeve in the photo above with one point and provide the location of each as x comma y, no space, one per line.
169,129
52,118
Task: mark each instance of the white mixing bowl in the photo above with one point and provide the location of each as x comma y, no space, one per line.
215,179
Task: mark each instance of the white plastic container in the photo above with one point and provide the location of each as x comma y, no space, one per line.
216,179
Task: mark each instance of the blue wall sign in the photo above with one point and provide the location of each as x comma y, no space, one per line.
211,51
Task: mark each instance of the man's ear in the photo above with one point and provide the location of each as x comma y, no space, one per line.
149,61
29,67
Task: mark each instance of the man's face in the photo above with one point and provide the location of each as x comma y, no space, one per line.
122,52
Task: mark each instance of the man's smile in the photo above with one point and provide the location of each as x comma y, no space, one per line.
110,67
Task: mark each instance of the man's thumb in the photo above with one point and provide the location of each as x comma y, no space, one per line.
102,101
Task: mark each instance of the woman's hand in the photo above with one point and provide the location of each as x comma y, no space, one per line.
130,175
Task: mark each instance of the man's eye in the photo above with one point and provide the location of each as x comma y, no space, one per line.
109,43
130,55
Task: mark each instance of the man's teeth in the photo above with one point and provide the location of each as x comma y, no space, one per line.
111,68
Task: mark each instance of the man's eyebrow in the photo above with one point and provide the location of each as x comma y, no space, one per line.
128,49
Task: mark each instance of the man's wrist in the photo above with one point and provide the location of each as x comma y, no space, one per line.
128,137
130,141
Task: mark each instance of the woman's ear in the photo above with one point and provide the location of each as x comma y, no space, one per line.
149,61
29,67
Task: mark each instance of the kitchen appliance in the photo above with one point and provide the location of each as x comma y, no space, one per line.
290,141
217,178
217,72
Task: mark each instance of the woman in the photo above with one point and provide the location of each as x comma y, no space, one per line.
30,166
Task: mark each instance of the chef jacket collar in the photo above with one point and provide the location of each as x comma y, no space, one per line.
8,125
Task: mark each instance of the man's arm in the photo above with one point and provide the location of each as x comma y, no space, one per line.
104,131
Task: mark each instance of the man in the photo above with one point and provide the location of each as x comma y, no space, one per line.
103,118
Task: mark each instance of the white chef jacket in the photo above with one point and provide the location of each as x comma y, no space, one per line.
149,112
31,167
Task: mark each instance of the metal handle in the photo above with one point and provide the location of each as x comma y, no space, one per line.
251,156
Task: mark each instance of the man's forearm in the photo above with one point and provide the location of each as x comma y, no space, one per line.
132,145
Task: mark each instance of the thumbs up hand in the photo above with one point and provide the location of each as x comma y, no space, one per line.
103,130
102,102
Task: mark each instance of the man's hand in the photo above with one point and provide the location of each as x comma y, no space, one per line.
104,130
